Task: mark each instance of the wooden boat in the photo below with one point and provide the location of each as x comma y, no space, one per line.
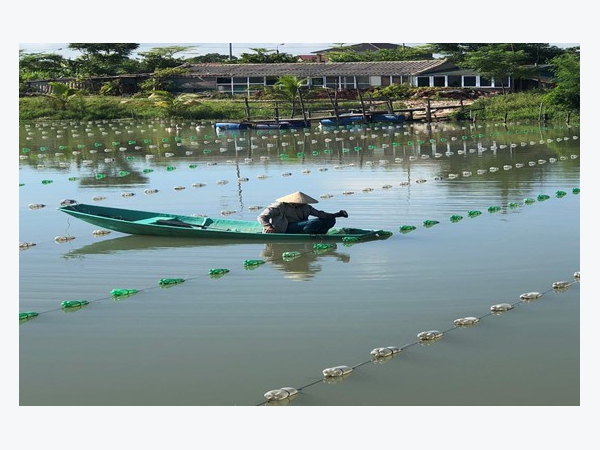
175,225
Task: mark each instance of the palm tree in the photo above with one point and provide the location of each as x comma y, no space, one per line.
288,86
174,105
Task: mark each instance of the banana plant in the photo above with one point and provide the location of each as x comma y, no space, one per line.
61,94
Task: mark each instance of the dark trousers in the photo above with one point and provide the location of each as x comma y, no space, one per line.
312,226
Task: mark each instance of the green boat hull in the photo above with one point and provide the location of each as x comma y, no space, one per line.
148,223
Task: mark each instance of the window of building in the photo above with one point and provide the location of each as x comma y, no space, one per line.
454,80
332,82
485,82
469,81
363,82
439,81
423,81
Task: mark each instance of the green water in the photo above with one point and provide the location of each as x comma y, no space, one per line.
227,340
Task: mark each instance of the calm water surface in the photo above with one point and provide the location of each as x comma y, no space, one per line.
227,341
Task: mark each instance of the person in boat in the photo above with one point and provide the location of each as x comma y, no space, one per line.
290,214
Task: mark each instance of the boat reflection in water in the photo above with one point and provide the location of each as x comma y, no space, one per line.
140,243
299,260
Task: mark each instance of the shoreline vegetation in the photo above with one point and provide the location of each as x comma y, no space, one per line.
509,107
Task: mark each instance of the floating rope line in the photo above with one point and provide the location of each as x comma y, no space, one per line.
215,273
285,395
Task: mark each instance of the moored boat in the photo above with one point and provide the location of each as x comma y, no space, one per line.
264,125
131,221
357,118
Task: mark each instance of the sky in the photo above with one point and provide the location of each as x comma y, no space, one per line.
295,48
199,48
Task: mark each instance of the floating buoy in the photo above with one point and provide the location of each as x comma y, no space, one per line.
150,191
36,206
26,245
170,281
465,321
407,228
431,335
98,198
288,256
430,223
576,276
217,273
530,296
27,315
123,292
253,263
280,394
561,284
68,202
61,239
501,307
338,371
383,352
100,233
67,304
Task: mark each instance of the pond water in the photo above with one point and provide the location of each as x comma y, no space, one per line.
505,206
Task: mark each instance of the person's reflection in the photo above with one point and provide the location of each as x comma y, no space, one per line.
303,266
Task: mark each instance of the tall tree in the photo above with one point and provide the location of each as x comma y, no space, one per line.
210,58
39,66
163,57
103,59
263,56
495,62
567,70
401,53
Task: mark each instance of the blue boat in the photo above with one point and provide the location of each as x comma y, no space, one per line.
354,118
392,118
263,125
232,125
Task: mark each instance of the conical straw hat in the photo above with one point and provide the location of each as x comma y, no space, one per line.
297,197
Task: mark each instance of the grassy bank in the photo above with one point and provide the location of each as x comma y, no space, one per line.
510,107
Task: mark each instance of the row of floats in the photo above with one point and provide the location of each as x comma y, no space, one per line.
284,395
